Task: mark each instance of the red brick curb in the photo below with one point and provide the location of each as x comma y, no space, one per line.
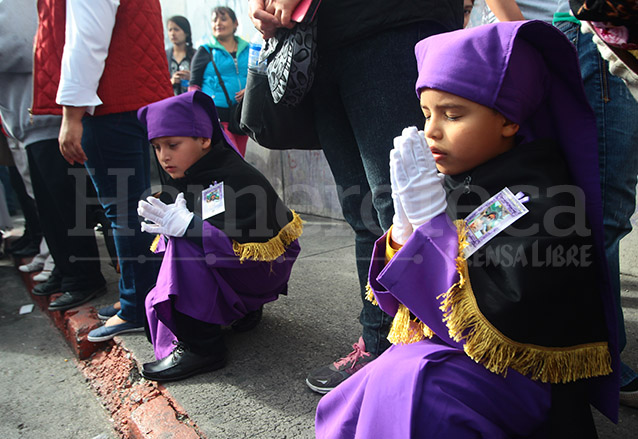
140,409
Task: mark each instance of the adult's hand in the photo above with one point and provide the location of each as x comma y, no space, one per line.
265,22
179,75
240,95
282,10
70,138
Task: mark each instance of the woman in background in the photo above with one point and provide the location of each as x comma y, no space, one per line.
230,54
180,55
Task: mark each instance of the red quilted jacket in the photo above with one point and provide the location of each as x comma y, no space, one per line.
136,70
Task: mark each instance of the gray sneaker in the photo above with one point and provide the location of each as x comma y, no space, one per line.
326,378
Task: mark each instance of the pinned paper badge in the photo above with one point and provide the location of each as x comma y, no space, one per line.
213,200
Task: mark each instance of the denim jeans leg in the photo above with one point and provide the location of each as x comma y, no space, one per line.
615,111
116,146
363,97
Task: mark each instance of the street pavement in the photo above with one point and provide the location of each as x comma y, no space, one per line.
261,393
42,392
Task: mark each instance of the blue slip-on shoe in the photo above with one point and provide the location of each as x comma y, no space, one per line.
629,394
104,333
107,312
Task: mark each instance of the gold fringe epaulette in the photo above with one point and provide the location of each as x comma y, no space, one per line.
488,346
370,295
406,330
155,243
274,247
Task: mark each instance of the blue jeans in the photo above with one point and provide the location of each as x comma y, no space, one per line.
616,111
363,97
117,149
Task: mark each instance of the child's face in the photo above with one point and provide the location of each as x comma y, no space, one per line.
177,154
463,134
468,5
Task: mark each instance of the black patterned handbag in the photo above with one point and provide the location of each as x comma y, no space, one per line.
292,57
276,126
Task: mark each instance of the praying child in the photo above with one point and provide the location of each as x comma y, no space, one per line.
485,344
228,240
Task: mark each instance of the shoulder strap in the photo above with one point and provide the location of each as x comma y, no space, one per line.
221,81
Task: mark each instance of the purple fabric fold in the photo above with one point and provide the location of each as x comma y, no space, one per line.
412,388
211,285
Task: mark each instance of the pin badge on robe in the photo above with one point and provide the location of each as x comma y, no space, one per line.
491,218
213,200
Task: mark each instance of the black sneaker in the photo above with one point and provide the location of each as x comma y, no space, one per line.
326,378
249,321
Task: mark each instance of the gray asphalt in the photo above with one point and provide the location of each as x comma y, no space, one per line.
261,393
42,392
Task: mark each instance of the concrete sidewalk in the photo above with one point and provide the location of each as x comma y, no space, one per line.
261,393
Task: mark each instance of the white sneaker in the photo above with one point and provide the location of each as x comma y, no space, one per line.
31,267
43,276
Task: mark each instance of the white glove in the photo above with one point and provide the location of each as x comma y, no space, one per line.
169,220
401,227
418,183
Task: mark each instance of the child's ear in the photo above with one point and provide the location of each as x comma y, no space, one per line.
510,128
205,143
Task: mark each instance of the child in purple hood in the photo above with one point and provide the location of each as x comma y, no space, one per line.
228,240
518,338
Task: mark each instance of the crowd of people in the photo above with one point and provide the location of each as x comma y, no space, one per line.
422,123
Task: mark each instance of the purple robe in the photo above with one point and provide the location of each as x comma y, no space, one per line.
430,388
211,284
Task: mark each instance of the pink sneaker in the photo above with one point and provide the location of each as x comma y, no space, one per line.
326,378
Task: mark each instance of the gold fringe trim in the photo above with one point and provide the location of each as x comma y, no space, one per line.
273,248
489,347
370,295
155,243
405,330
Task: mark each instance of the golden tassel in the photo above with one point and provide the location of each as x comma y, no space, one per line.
274,247
405,330
155,243
370,295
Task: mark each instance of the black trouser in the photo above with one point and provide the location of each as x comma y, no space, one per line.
76,256
32,228
202,338
570,414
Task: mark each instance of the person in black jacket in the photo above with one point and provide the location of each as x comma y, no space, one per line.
361,95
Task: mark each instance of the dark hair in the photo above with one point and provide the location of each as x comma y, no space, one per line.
183,24
224,10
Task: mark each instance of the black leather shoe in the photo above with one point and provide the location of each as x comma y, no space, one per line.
51,286
182,363
19,243
248,322
71,299
27,252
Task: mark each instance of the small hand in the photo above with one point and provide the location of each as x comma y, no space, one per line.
401,227
418,183
169,220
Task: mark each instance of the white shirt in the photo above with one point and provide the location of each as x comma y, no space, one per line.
89,26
